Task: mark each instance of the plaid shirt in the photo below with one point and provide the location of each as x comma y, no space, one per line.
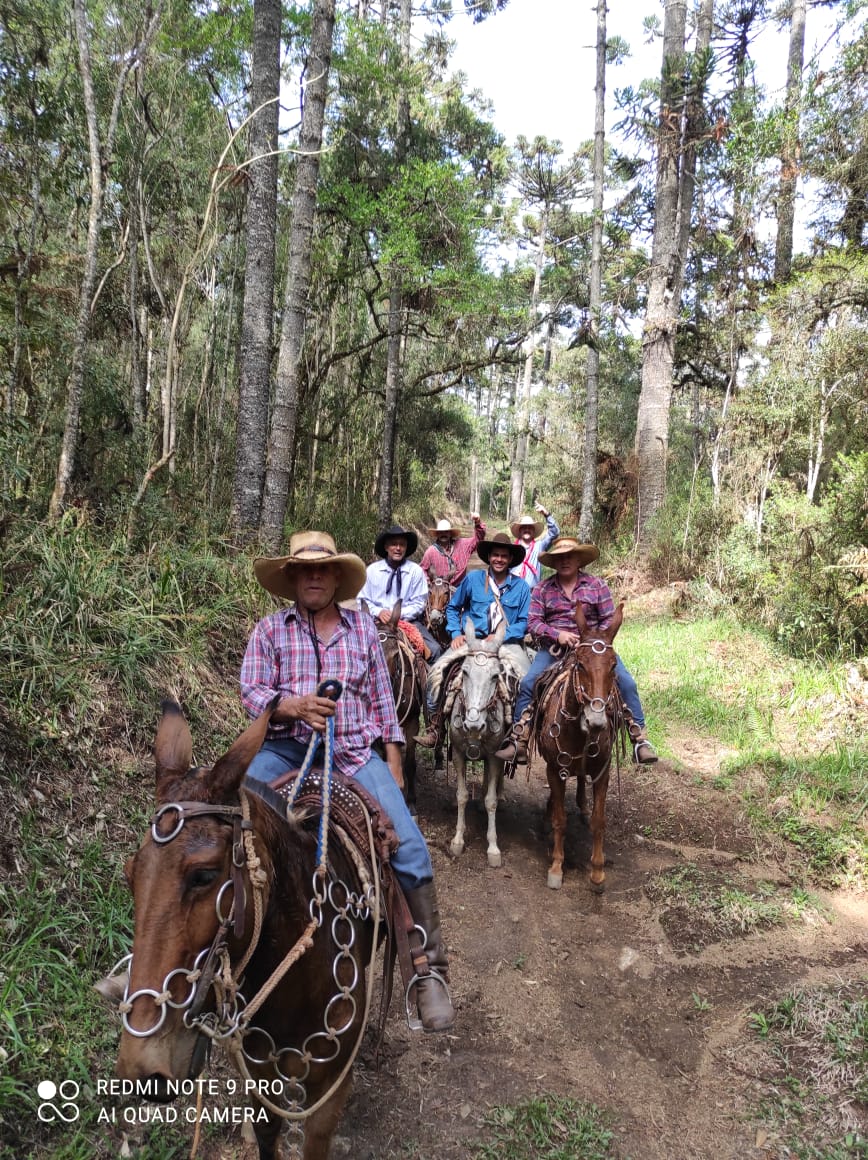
551,610
281,658
457,557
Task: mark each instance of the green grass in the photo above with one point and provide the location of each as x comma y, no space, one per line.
796,750
816,1040
546,1128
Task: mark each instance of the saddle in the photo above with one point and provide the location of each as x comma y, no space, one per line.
349,808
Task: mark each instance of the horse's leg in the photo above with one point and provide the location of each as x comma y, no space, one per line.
493,785
320,1127
583,796
266,1132
598,829
557,794
461,794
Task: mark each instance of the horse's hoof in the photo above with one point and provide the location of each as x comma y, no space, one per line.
555,881
598,887
456,848
495,860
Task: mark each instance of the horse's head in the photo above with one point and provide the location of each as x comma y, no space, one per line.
183,878
439,593
594,663
480,708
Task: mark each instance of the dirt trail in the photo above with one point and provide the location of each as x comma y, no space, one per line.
604,998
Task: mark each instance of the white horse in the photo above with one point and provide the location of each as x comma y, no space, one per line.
480,718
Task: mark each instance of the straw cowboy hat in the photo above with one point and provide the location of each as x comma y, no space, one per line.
526,522
564,546
501,540
445,526
391,533
277,574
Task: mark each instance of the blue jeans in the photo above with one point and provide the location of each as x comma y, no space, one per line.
544,659
411,861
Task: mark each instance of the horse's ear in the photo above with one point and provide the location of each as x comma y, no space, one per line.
470,631
616,622
579,618
363,605
173,748
225,777
496,639
396,613
431,573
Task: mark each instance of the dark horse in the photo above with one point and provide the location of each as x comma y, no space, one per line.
408,689
232,893
577,719
439,595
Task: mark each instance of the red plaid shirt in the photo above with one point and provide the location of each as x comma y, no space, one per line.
458,557
551,610
281,658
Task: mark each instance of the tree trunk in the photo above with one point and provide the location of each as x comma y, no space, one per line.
100,159
595,289
257,311
519,463
394,360
680,114
786,208
284,419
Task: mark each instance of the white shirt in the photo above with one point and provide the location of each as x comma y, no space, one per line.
414,589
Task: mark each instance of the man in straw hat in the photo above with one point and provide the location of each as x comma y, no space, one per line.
527,532
291,652
450,552
551,621
393,577
489,598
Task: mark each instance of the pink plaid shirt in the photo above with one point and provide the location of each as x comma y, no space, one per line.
281,658
551,610
458,558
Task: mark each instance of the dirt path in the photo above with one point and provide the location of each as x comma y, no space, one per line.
617,999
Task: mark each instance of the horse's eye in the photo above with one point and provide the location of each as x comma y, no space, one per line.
198,879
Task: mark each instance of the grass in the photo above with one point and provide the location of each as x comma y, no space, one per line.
816,1040
795,747
546,1128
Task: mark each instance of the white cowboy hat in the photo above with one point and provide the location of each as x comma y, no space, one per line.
565,546
277,574
445,526
526,522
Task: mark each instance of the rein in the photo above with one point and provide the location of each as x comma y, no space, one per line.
571,677
406,672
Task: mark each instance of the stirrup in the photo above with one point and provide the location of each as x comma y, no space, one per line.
414,1019
648,757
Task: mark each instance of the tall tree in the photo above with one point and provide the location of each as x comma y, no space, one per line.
786,204
257,316
284,418
100,157
680,124
595,288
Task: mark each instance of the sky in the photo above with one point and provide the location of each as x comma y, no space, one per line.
536,62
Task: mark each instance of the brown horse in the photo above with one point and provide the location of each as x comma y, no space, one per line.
408,689
577,718
439,595
232,893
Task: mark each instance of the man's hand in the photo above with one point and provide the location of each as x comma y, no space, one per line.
395,763
383,616
476,517
542,511
458,641
568,639
311,709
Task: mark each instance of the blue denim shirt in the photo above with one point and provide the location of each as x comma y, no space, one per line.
473,596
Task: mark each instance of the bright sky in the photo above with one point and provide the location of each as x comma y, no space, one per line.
536,62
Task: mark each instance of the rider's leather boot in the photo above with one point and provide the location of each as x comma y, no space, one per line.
514,747
432,990
432,738
644,752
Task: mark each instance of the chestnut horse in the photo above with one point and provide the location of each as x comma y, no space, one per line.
576,723
439,595
227,883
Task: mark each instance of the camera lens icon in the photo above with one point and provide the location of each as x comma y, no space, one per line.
64,1109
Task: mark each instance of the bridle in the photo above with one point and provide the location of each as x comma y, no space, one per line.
583,700
435,616
477,717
